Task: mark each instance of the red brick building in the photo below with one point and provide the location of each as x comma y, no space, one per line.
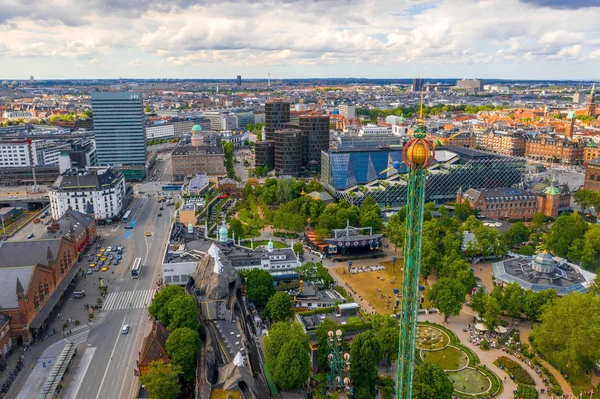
6,341
75,226
554,149
592,175
511,203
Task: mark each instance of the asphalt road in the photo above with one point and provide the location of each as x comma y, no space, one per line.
110,373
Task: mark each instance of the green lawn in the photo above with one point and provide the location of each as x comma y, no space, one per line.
469,381
450,358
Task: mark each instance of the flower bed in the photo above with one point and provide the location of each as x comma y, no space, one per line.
521,376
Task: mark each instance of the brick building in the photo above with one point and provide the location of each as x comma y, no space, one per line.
554,149
76,226
6,341
33,278
191,160
511,203
592,175
511,143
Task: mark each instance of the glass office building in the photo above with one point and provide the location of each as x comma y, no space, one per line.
120,132
353,174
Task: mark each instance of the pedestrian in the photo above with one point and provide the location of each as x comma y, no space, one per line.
69,332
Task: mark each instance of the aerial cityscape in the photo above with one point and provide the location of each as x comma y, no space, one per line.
285,199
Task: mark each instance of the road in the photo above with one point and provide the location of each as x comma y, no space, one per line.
110,373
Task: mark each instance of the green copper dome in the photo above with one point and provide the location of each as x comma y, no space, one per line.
196,128
571,115
552,190
223,233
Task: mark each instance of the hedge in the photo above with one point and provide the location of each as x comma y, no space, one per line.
340,290
526,392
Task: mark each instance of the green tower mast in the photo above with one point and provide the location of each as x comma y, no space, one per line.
418,154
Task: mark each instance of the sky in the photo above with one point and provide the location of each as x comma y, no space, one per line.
204,39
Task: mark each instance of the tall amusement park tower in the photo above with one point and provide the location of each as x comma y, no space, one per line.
418,154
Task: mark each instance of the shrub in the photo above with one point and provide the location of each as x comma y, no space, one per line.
340,290
513,368
526,392
485,345
65,325
77,322
91,316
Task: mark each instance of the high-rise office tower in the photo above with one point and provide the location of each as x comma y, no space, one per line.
315,131
119,131
239,80
288,151
417,84
277,115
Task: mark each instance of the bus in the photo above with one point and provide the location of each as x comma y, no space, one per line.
172,187
136,269
126,217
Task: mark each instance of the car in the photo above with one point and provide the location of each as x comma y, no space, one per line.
147,234
105,268
31,235
161,208
97,268
98,255
108,249
128,227
125,329
121,248
43,217
119,257
115,263
79,294
102,250
92,265
160,214
90,271
103,259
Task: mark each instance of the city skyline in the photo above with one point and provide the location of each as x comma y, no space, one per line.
293,39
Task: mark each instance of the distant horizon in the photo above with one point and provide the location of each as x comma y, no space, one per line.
254,79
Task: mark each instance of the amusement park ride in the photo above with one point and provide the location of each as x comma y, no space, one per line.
418,154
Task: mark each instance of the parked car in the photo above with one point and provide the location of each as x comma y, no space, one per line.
79,294
31,235
36,220
160,214
119,257
115,263
97,268
90,271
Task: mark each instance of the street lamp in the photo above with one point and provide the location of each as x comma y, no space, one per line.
349,268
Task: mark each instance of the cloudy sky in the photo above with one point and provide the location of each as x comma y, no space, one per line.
528,39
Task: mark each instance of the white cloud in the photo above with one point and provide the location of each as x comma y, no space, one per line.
294,33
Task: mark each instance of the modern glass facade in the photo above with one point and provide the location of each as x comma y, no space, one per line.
119,128
353,175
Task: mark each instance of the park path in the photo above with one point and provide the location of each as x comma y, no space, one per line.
564,385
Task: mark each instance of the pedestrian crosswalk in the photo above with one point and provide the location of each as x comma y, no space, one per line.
128,300
78,334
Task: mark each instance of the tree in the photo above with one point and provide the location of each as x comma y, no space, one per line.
478,300
595,287
364,355
279,334
182,347
395,230
516,234
314,185
586,199
161,381
463,210
448,296
533,303
181,312
431,382
568,334
293,366
491,316
380,322
512,297
565,230
538,221
158,307
298,248
259,287
388,343
236,227
228,149
279,307
322,338
307,272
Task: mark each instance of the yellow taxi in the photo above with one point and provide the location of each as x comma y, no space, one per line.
147,233
98,255
92,265
103,259
102,250
105,268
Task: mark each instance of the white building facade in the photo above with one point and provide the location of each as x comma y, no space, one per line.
17,153
348,111
162,131
101,192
